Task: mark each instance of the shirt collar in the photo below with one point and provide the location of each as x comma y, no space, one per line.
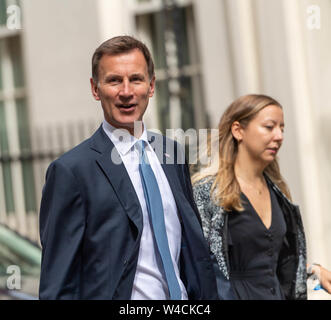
121,138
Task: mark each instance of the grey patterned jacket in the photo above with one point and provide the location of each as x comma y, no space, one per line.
291,269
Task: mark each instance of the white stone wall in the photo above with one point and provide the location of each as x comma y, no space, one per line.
59,39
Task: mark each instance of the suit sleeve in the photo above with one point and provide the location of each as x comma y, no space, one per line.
62,223
187,179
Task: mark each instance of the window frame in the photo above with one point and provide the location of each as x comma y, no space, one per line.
191,71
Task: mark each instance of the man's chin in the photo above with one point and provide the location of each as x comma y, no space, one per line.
131,125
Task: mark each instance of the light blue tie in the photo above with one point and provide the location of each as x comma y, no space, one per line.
155,211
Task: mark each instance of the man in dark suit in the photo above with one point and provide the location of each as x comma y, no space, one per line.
117,217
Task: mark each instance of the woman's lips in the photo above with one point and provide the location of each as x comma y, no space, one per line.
273,150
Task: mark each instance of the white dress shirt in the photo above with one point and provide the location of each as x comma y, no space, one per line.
149,282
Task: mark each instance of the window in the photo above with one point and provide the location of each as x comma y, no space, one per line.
172,39
17,189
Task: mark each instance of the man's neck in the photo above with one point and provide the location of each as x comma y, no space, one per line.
135,129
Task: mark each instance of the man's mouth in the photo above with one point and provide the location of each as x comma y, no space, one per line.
127,106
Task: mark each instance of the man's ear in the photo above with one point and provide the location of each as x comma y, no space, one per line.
236,130
152,87
94,89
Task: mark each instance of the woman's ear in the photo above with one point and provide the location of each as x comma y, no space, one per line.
236,130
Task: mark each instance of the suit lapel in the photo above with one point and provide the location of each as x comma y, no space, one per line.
110,162
172,176
168,159
171,161
165,151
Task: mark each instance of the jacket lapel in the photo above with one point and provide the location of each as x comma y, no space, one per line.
170,160
110,162
165,151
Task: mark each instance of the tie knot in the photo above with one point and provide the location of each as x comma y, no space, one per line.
140,145
141,150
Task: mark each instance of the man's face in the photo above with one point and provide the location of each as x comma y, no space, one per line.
124,88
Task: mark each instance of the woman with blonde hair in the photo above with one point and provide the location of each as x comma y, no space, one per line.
254,230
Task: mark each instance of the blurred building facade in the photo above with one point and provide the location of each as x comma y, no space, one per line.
207,53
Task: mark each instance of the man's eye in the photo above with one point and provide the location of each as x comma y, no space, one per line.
269,127
136,79
112,80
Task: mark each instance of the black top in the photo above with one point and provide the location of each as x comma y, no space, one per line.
254,250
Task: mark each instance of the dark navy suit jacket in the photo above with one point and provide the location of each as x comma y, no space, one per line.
91,224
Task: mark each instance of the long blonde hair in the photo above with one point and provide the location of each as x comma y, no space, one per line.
225,190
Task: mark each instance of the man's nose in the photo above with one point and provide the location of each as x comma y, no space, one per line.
126,90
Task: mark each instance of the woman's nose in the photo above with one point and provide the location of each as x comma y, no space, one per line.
279,135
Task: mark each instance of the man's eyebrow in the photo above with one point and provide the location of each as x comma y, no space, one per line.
140,75
112,75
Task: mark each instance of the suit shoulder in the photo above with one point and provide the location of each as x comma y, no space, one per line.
152,136
75,155
164,144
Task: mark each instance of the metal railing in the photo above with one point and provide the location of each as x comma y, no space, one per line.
47,143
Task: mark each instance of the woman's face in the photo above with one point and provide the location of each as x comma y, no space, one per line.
263,136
